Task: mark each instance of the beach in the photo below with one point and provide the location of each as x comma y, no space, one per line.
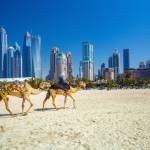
102,120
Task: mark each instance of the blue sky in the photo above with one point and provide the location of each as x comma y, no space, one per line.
108,24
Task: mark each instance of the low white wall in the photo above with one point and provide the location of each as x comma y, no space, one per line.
14,79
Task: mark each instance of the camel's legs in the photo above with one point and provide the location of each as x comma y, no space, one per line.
53,101
74,106
65,100
31,105
6,99
23,101
46,98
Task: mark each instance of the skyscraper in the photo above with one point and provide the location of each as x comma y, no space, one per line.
3,53
116,63
17,63
102,69
80,70
126,59
99,73
36,56
110,62
27,56
10,60
69,65
61,66
87,61
54,52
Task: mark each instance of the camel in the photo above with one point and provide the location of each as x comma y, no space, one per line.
21,92
54,92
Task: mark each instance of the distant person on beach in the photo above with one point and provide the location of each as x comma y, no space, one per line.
62,84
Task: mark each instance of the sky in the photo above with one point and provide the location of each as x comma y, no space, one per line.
107,24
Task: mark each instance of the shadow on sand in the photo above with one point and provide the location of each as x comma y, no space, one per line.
10,116
37,109
50,109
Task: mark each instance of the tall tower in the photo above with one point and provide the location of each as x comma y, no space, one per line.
3,52
17,63
87,61
116,63
61,63
102,69
80,70
54,52
69,65
10,60
36,56
110,62
27,56
126,60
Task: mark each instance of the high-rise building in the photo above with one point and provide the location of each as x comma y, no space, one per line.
126,59
110,62
102,69
109,73
27,56
10,60
116,63
80,70
17,63
69,65
142,65
148,64
3,52
87,61
54,52
99,73
36,56
61,66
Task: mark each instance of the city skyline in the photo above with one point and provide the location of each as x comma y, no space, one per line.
107,26
32,48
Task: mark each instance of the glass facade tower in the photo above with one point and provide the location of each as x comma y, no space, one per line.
126,59
27,56
69,65
36,56
110,62
3,53
17,71
87,61
116,63
10,59
54,52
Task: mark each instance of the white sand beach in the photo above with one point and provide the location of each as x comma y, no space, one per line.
103,120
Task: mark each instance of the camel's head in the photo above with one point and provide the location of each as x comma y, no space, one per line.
44,85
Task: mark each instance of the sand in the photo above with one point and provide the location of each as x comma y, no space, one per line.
103,120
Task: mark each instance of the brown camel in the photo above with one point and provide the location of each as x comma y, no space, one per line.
59,91
21,92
